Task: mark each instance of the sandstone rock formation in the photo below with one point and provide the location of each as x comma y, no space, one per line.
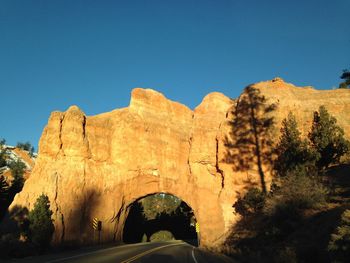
97,166
305,100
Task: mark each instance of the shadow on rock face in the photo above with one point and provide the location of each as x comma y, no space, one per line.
75,226
250,142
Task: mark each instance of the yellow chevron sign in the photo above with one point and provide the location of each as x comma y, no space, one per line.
95,223
197,227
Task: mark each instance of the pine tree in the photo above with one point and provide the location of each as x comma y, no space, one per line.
41,225
293,153
339,244
17,170
327,138
27,146
346,77
24,146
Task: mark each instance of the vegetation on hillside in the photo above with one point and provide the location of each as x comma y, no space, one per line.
339,245
17,168
346,77
4,187
327,139
293,222
13,234
12,183
293,152
28,232
157,204
26,146
8,189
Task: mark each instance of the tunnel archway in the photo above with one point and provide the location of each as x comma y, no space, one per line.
160,217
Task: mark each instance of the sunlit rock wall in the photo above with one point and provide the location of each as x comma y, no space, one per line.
95,166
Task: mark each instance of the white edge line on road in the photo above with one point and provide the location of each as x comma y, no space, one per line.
194,258
96,251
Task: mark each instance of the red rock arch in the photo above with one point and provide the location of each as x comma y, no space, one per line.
92,166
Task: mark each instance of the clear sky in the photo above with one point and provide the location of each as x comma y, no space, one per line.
93,53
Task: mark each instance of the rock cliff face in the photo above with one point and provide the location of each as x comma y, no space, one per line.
97,166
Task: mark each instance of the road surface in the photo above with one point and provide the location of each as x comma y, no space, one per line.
162,252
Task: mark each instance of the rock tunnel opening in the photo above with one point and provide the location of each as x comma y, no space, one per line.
160,217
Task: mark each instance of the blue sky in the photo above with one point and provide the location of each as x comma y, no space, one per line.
93,53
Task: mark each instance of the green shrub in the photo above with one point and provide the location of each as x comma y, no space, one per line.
264,235
285,207
339,245
252,202
296,192
162,235
144,238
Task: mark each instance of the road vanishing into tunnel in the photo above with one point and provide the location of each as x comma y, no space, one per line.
155,252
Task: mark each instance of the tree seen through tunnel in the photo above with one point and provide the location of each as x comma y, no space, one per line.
160,217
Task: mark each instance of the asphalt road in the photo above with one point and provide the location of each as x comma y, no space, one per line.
162,252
